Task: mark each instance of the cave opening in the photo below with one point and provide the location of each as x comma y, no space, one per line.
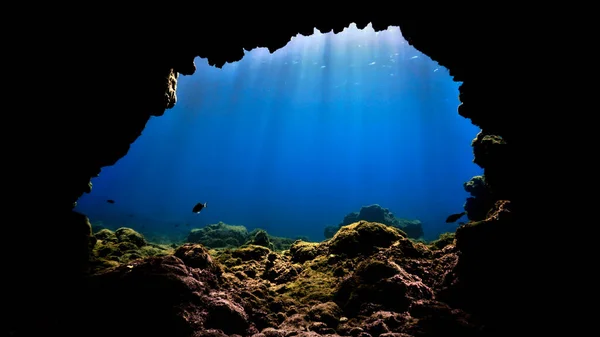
293,141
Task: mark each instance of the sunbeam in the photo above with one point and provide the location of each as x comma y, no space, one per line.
296,139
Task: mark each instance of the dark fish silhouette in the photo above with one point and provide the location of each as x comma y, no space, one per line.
454,217
199,206
110,201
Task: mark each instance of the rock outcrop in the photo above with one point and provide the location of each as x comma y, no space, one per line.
388,288
376,213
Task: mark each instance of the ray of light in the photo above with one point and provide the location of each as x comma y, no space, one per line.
312,131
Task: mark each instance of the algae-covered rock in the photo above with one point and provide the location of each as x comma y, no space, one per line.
380,285
219,235
444,240
125,234
316,282
281,243
364,238
156,250
126,246
303,251
106,235
328,313
222,235
259,237
376,213
313,289
123,246
131,255
251,252
279,269
197,256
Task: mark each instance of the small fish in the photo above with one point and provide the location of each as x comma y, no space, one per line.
176,225
199,206
110,201
187,225
454,217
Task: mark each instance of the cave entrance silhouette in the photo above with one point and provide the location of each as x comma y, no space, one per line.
336,99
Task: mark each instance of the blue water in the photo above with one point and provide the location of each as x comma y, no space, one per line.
293,141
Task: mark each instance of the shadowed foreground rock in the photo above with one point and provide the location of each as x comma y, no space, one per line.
164,296
313,289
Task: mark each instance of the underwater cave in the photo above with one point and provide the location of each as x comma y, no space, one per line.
370,279
293,141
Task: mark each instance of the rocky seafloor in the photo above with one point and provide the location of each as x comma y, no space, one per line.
370,279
